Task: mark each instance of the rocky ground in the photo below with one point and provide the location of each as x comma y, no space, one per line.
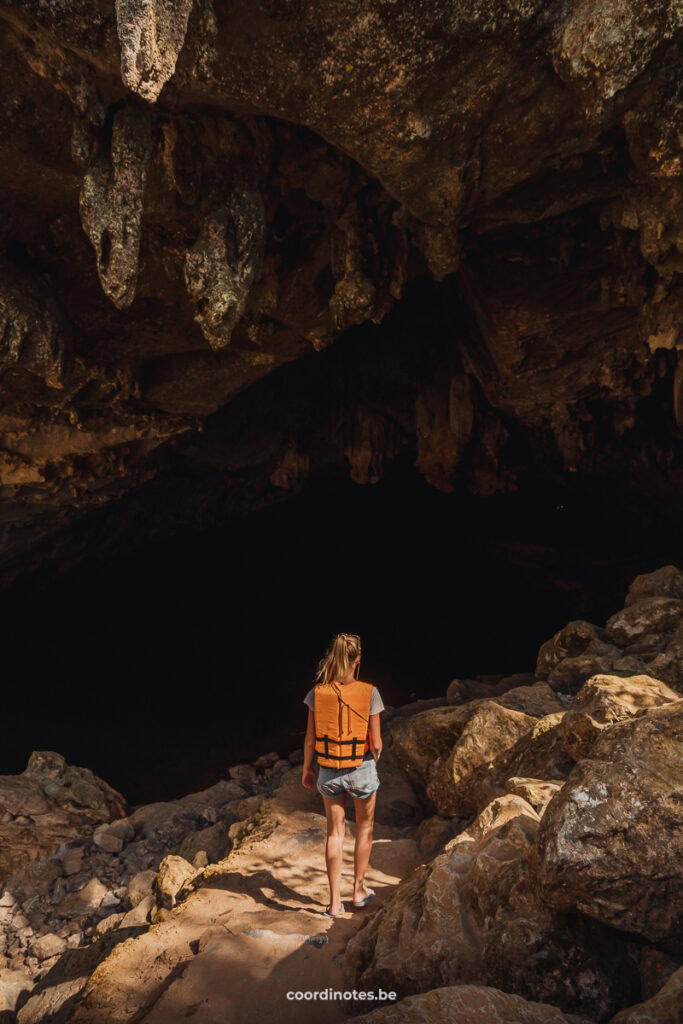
527,862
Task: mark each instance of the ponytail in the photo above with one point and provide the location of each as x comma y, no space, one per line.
335,663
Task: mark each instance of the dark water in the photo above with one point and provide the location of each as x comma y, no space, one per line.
162,670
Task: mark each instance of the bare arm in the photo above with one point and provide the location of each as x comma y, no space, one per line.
309,741
374,736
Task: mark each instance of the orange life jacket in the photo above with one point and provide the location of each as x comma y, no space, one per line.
342,716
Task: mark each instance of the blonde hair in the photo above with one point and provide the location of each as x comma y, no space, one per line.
336,662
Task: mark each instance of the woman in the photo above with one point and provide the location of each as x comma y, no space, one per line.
343,730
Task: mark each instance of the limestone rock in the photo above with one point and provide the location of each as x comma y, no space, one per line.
467,1004
173,872
34,336
12,984
72,859
419,741
140,913
433,833
243,774
569,642
111,201
534,791
537,700
655,967
607,843
62,801
664,582
225,261
599,658
601,50
462,690
649,615
606,699
106,924
106,840
151,34
199,807
83,901
662,1008
537,754
48,945
140,886
490,730
470,916
214,841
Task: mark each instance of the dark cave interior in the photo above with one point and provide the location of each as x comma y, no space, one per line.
160,668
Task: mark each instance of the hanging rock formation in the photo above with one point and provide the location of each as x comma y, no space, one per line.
111,203
151,34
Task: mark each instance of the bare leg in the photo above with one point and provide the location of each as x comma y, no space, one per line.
365,820
334,847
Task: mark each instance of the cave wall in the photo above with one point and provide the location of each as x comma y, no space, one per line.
247,242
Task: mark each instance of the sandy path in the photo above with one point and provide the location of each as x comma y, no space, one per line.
254,929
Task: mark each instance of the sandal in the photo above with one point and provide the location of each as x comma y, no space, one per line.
327,913
361,903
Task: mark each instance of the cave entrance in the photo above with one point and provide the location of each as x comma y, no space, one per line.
160,669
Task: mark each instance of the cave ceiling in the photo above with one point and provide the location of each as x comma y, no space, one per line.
243,241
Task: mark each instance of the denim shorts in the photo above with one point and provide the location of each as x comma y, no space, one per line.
361,781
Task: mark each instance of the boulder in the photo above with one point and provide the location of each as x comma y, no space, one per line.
267,760
433,833
667,664
140,913
649,615
140,886
538,755
454,781
34,878
419,741
201,806
537,700
655,968
470,916
605,699
569,642
664,582
664,1008
109,922
569,675
107,840
72,859
48,945
610,842
243,774
83,901
467,1004
214,841
460,691
534,791
12,984
50,803
173,873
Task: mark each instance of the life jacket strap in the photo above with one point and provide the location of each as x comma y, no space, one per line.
342,757
339,742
